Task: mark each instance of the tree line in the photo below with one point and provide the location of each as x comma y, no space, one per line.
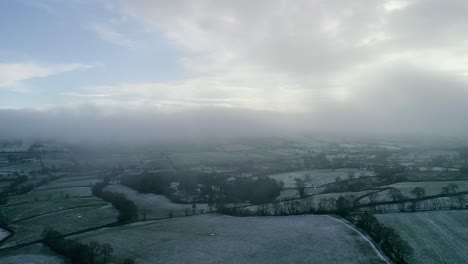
78,252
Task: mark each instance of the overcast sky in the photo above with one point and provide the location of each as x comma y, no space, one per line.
380,66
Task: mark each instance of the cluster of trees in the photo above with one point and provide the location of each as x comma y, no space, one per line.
257,191
127,209
213,188
146,182
77,252
389,240
15,187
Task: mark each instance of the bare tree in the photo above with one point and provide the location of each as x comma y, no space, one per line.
395,194
419,192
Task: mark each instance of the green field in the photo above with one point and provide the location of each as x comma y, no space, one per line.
437,237
223,239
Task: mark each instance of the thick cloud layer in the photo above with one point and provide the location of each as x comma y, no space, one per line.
350,66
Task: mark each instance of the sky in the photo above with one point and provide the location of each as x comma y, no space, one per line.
354,66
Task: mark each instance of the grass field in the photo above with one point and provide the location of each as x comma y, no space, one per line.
317,177
223,239
63,221
153,205
437,237
35,254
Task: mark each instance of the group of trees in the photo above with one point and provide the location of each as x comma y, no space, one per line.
389,240
77,252
212,188
127,209
257,191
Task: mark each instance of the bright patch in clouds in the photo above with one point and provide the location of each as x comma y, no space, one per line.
395,5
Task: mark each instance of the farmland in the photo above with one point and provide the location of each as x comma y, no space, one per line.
223,239
64,221
437,237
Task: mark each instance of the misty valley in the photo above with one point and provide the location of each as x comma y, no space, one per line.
256,200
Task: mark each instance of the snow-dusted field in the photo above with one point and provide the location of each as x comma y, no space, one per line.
3,234
35,254
153,205
30,209
437,237
317,177
224,239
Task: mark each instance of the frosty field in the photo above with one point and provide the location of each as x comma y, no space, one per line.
30,209
63,221
437,237
223,239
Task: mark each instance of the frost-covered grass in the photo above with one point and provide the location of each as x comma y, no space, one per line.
153,205
25,210
3,234
317,177
224,239
34,254
437,237
63,221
